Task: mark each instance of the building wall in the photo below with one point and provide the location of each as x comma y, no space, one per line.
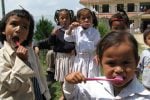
135,15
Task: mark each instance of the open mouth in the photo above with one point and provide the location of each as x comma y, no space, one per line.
15,39
120,79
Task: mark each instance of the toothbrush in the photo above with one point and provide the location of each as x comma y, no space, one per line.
117,79
17,43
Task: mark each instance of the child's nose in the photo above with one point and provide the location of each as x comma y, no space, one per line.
18,29
119,69
64,20
86,19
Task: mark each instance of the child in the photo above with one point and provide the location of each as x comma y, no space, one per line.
144,63
64,50
119,21
19,68
118,56
86,38
50,61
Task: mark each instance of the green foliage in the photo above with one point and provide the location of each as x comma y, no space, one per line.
55,90
103,27
43,29
42,57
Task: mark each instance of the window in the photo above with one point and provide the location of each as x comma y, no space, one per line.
96,7
105,8
120,6
144,6
130,7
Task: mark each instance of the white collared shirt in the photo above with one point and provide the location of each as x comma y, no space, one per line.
15,74
85,39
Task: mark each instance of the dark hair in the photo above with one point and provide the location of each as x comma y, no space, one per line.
145,34
120,16
57,12
114,38
20,13
80,12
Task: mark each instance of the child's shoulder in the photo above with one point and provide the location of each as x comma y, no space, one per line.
146,51
5,53
93,28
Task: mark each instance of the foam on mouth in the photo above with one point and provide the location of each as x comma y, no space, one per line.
118,79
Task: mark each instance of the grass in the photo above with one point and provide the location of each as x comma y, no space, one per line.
54,88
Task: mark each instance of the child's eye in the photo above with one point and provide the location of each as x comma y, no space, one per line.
13,24
126,62
88,17
111,63
24,26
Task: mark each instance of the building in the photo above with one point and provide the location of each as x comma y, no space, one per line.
135,9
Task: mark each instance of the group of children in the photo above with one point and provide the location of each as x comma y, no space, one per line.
80,52
75,52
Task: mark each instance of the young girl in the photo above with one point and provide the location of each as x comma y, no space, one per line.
19,68
85,37
65,51
119,21
144,63
118,56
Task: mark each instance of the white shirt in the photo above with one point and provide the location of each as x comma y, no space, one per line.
102,90
86,40
1,45
143,65
15,83
144,59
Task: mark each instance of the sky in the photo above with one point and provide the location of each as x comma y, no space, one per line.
40,8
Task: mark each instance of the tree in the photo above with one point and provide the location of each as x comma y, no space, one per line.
103,26
43,29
